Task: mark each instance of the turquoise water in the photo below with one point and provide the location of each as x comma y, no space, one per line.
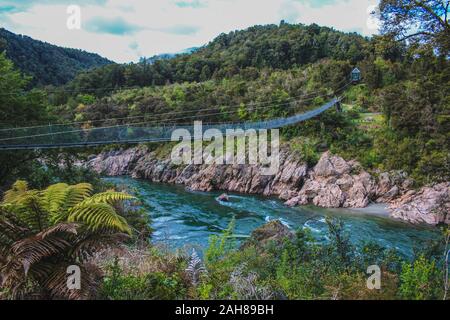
184,218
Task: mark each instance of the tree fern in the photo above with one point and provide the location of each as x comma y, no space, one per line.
110,197
98,215
60,198
17,190
42,232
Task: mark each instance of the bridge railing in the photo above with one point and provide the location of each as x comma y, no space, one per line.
68,136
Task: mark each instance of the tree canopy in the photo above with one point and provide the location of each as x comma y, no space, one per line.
419,20
47,64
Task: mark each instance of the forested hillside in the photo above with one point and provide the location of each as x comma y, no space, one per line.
395,122
242,52
46,63
404,87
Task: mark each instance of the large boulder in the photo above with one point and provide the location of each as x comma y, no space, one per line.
274,231
360,192
330,165
288,180
430,205
116,163
332,184
223,197
391,185
331,196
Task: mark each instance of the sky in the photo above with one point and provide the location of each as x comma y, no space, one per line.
125,30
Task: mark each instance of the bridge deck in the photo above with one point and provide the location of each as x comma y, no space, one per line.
69,136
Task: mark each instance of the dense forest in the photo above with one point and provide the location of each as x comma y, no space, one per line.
265,69
45,63
242,52
57,213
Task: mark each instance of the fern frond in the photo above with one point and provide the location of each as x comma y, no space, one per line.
195,268
97,216
87,243
110,197
60,228
78,193
30,209
54,196
31,250
17,190
59,198
56,283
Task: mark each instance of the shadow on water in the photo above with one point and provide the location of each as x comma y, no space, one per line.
181,217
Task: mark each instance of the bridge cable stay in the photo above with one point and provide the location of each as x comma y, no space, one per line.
48,126
74,130
133,133
253,104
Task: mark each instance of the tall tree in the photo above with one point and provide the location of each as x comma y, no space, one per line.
419,20
17,108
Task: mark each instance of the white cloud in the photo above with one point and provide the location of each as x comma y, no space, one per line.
165,26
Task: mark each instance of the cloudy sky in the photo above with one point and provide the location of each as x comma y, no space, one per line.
126,30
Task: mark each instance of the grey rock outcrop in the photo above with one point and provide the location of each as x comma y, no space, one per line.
430,204
273,231
332,182
116,163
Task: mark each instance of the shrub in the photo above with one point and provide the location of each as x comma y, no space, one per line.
151,286
220,245
420,280
306,148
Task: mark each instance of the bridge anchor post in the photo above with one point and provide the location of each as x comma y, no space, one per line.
338,105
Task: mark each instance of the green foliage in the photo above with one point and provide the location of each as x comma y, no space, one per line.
303,268
421,22
40,176
232,99
421,280
220,245
46,63
38,239
153,286
17,108
340,242
359,96
243,53
306,148
426,161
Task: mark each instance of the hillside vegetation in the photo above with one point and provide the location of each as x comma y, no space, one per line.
47,64
396,118
237,53
271,71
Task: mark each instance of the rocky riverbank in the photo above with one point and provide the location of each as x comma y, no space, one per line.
332,182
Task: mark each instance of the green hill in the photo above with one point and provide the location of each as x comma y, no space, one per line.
283,47
46,63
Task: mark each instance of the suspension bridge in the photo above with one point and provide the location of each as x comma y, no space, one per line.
77,135
65,136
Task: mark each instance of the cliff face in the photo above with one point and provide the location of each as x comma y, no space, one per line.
332,182
430,204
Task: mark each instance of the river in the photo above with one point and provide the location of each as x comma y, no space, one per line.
182,218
